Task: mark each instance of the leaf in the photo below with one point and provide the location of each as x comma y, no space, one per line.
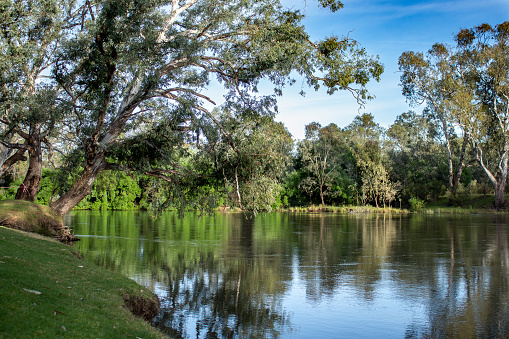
32,291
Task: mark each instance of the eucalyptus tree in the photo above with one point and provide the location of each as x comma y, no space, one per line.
481,104
376,185
30,112
417,159
132,55
320,156
469,81
365,137
249,155
430,79
363,128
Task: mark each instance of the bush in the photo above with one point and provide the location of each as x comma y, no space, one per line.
416,204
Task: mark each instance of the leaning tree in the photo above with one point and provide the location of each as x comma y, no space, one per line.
142,68
481,103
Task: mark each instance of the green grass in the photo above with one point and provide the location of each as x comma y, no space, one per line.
27,216
346,209
463,204
46,291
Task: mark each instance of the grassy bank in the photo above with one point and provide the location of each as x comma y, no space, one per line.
47,291
474,203
346,209
30,217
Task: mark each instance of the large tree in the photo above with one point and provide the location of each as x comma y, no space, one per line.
364,136
418,160
132,56
430,79
320,156
467,86
30,112
481,103
250,158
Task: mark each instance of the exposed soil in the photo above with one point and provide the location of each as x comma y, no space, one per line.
145,308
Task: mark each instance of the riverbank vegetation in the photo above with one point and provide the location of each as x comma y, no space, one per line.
48,291
113,111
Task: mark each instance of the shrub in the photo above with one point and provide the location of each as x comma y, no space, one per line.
416,204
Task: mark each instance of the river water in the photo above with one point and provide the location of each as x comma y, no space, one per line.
303,275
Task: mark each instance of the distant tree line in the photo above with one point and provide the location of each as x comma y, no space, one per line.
360,164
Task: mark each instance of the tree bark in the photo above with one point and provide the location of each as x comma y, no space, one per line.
461,164
18,156
28,189
81,187
500,196
500,181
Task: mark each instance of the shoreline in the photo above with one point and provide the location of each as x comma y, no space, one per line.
53,292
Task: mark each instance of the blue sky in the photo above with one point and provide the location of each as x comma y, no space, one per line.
384,28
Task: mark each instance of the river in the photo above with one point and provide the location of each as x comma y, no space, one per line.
304,275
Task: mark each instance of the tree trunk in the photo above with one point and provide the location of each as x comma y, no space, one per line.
321,195
461,164
500,195
28,189
18,156
498,182
81,187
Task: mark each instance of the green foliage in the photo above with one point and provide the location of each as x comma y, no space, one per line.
250,153
465,87
132,79
48,187
112,190
416,158
416,204
292,194
319,155
376,185
9,192
333,5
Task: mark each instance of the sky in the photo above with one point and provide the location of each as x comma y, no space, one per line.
387,29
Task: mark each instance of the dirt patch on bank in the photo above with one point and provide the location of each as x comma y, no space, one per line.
143,307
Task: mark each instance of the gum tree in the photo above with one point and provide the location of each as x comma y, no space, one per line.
139,66
481,104
320,155
430,79
31,31
468,83
250,158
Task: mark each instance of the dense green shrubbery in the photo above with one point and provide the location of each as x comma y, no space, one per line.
113,190
416,204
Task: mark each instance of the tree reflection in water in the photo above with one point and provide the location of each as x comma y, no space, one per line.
236,277
468,296
221,305
226,297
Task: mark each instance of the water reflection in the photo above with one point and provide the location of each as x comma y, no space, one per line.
311,275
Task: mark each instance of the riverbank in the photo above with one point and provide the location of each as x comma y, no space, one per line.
29,217
467,204
47,290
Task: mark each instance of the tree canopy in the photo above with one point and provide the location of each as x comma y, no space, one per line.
465,87
133,75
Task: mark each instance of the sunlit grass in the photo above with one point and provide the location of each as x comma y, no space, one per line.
46,291
346,209
28,216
